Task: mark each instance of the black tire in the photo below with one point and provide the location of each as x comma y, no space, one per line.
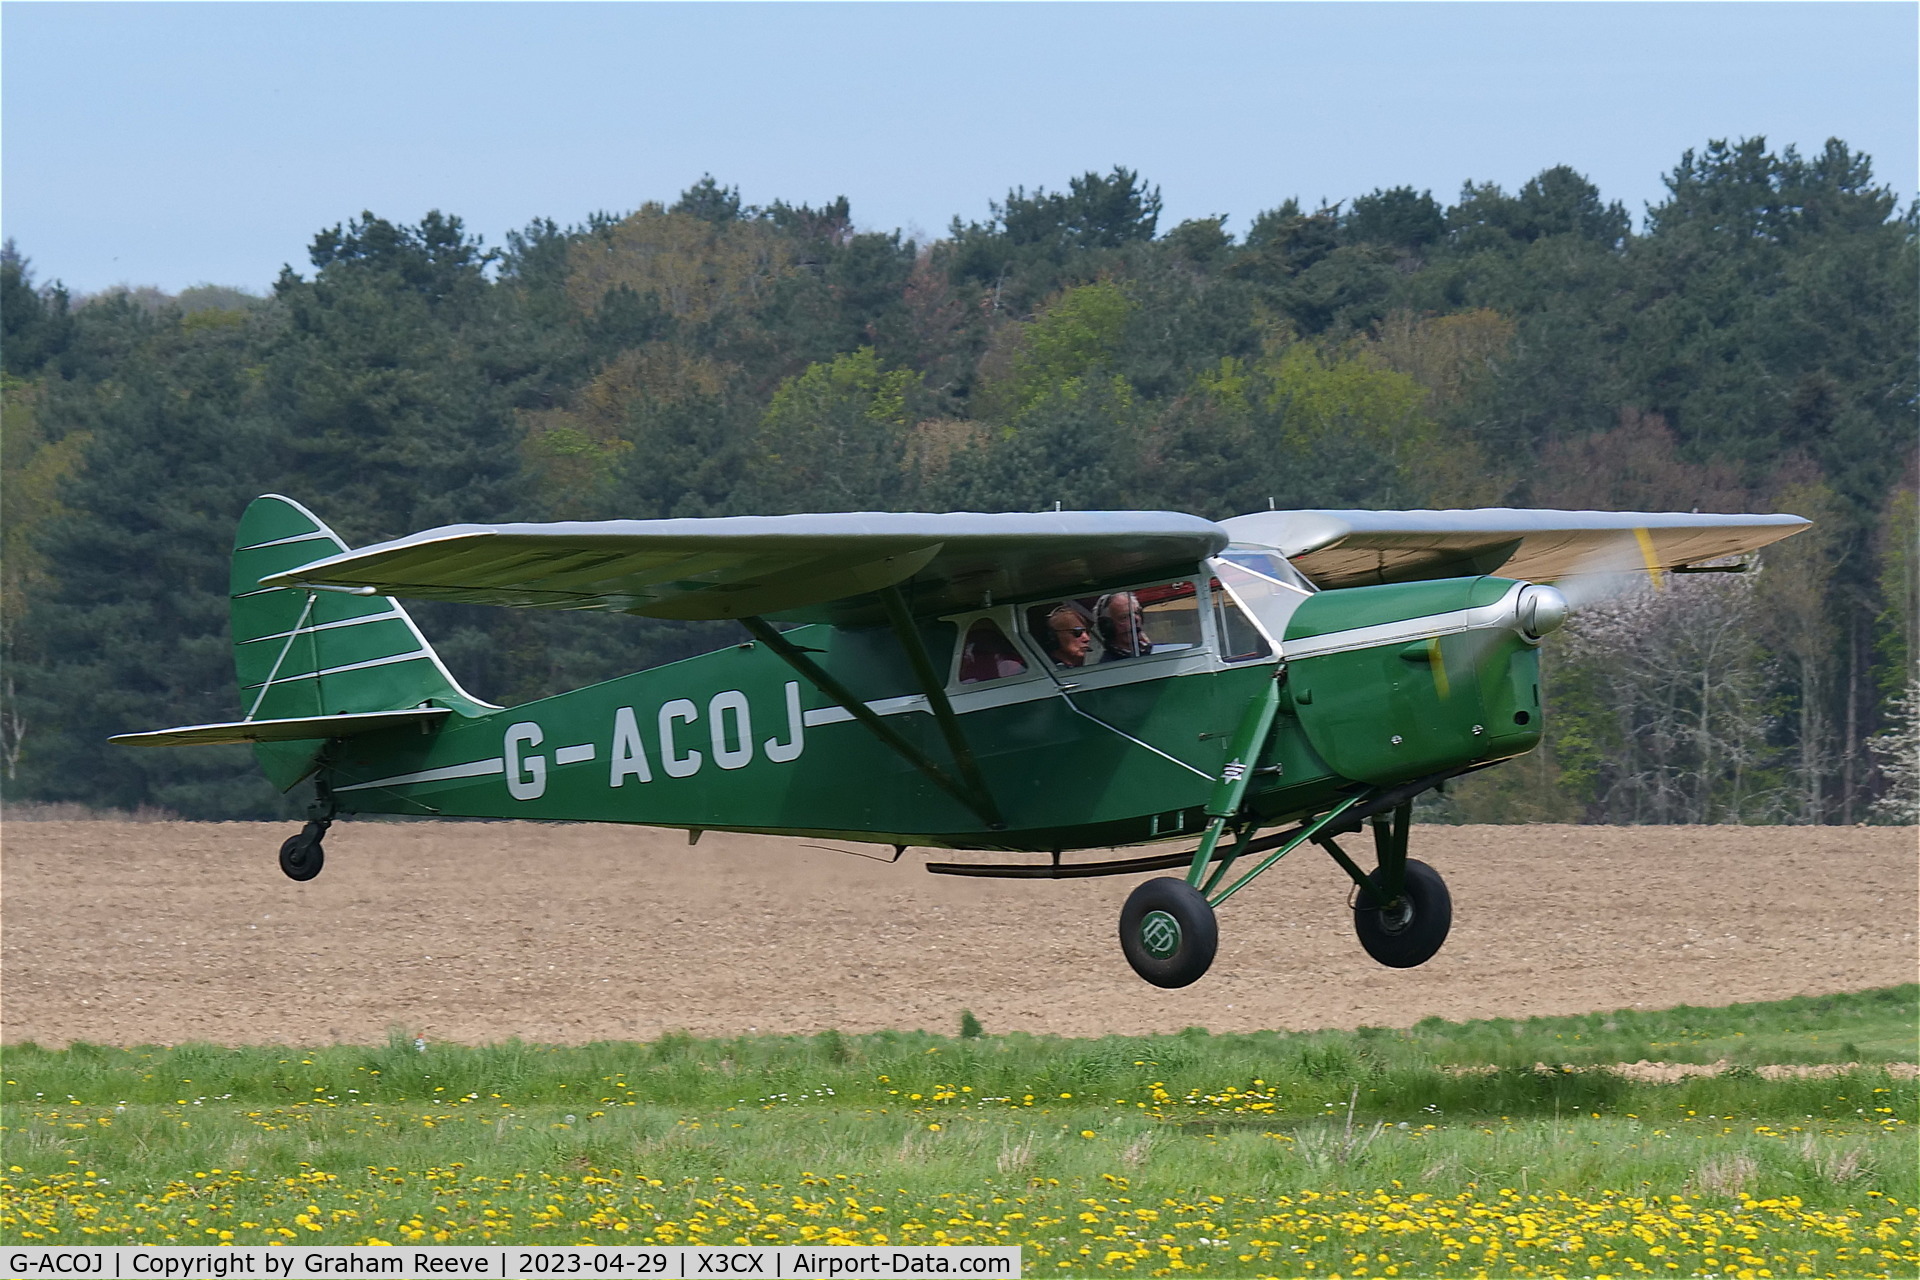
1168,932
1410,929
302,856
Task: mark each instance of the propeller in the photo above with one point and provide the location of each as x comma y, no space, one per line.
1616,567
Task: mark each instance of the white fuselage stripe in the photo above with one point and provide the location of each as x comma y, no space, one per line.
1027,690
1034,687
1501,612
477,769
882,707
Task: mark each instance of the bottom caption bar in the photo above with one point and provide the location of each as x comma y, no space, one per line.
786,1262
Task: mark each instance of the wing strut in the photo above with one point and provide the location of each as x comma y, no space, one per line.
762,631
934,687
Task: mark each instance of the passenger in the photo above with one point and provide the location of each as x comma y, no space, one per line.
1121,627
1069,635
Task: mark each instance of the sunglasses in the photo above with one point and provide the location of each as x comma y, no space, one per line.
1070,631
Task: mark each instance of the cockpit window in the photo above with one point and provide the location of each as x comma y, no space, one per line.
1119,626
1269,563
1162,619
987,654
1267,601
1240,640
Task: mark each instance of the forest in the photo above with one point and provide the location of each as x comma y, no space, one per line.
1747,344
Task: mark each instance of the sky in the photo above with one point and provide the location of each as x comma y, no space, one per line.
184,144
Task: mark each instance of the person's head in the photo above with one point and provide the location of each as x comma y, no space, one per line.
1068,638
1119,622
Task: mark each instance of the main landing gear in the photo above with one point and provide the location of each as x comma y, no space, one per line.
302,856
1409,929
1401,910
1168,932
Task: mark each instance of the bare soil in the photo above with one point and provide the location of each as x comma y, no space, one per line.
161,932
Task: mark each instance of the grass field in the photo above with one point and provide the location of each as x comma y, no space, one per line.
1496,1148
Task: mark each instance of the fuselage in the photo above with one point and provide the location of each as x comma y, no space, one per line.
1381,684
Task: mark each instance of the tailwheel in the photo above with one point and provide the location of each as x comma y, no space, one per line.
1168,932
302,856
1410,929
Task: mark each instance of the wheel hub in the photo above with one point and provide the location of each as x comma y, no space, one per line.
1396,915
1159,934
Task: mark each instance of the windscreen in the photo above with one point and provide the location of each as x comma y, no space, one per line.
1267,601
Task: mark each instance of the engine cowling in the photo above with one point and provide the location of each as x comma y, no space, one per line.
1398,681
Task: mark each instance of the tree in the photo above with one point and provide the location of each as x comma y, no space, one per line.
1896,750
711,358
1312,273
1801,613
382,383
1074,339
1202,242
1898,623
1637,466
1032,245
131,633
1555,202
34,323
1095,212
1400,218
1658,711
1295,427
708,201
1773,311
834,438
1078,444
34,470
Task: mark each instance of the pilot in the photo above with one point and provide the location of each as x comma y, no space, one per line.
1069,635
1118,620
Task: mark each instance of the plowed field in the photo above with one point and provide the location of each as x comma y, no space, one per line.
128,933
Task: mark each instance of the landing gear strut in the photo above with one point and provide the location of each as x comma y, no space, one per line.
1402,911
302,856
1410,928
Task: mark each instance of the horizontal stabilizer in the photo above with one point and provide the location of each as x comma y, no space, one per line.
295,730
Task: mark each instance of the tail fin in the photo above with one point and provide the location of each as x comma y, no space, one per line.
320,653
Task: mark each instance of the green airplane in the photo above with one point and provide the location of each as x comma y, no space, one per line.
1023,683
